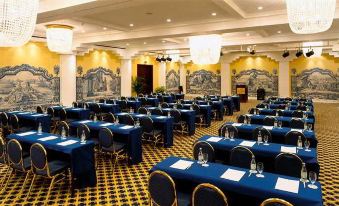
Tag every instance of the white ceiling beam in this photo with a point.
(262, 33)
(100, 23)
(231, 8)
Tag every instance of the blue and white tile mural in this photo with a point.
(97, 83)
(172, 81)
(25, 87)
(316, 83)
(203, 82)
(255, 79)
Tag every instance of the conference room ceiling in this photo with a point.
(157, 25)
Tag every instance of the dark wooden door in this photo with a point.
(145, 72)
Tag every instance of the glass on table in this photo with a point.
(231, 135)
(266, 140)
(307, 145)
(313, 178)
(309, 127)
(279, 123)
(260, 169)
(204, 160)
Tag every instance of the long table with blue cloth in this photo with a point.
(72, 113)
(285, 113)
(204, 109)
(164, 123)
(283, 106)
(187, 115)
(286, 121)
(166, 98)
(294, 102)
(263, 153)
(129, 134)
(217, 105)
(105, 108)
(245, 131)
(80, 156)
(240, 187)
(135, 105)
(153, 101)
(32, 120)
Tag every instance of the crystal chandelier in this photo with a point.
(205, 49)
(315, 46)
(17, 21)
(310, 16)
(59, 38)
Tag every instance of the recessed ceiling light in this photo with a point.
(105, 28)
(260, 8)
(213, 14)
(127, 44)
(131, 25)
(169, 20)
(163, 41)
(145, 42)
(279, 32)
(83, 31)
(248, 34)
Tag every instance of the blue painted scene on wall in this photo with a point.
(172, 81)
(25, 87)
(97, 83)
(203, 82)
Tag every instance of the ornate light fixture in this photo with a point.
(59, 38)
(17, 21)
(316, 47)
(205, 49)
(310, 16)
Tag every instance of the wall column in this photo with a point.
(226, 79)
(126, 77)
(284, 79)
(67, 79)
(182, 73)
(162, 75)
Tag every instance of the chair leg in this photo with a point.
(50, 188)
(3, 181)
(24, 184)
(10, 174)
(31, 187)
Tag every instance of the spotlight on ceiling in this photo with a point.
(252, 52)
(309, 53)
(158, 59)
(163, 58)
(286, 54)
(299, 53)
(169, 58)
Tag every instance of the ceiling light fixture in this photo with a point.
(299, 53)
(105, 28)
(158, 59)
(316, 47)
(286, 53)
(131, 25)
(59, 38)
(310, 16)
(163, 58)
(17, 21)
(248, 34)
(145, 42)
(309, 53)
(214, 14)
(260, 8)
(205, 49)
(279, 32)
(169, 20)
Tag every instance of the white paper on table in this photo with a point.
(26, 133)
(250, 115)
(234, 175)
(182, 164)
(292, 150)
(106, 124)
(287, 185)
(68, 142)
(76, 109)
(37, 115)
(214, 139)
(15, 111)
(247, 143)
(236, 124)
(298, 130)
(140, 115)
(268, 127)
(126, 127)
(185, 110)
(161, 117)
(48, 138)
(85, 121)
(23, 113)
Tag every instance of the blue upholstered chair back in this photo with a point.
(126, 119)
(83, 128)
(241, 118)
(157, 111)
(207, 194)
(147, 124)
(230, 128)
(2, 150)
(64, 125)
(180, 106)
(161, 188)
(298, 114)
(176, 115)
(75, 104)
(123, 104)
(14, 152)
(206, 148)
(288, 164)
(50, 111)
(39, 157)
(275, 202)
(164, 105)
(39, 110)
(4, 119)
(269, 121)
(142, 110)
(291, 138)
(63, 114)
(297, 124)
(109, 117)
(264, 132)
(106, 138)
(241, 157)
(14, 121)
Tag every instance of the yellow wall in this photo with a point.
(326, 61)
(254, 62)
(99, 58)
(172, 65)
(209, 67)
(33, 53)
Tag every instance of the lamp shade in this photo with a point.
(17, 21)
(59, 38)
(205, 49)
(310, 16)
(316, 47)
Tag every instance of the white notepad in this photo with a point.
(292, 150)
(140, 115)
(48, 138)
(247, 143)
(185, 110)
(161, 117)
(126, 127)
(23, 113)
(181, 164)
(85, 121)
(234, 175)
(287, 185)
(268, 127)
(76, 109)
(68, 142)
(37, 115)
(298, 130)
(214, 139)
(106, 124)
(236, 124)
(26, 133)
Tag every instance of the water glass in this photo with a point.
(279, 124)
(309, 127)
(313, 178)
(266, 140)
(205, 160)
(260, 169)
(231, 135)
(307, 145)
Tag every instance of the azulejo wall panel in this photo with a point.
(255, 79)
(315, 83)
(97, 83)
(203, 82)
(25, 87)
(172, 81)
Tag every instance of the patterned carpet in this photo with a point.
(128, 185)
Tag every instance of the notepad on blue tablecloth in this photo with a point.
(236, 124)
(126, 127)
(297, 130)
(214, 139)
(68, 142)
(106, 124)
(26, 133)
(247, 143)
(285, 149)
(161, 117)
(37, 115)
(48, 138)
(234, 175)
(268, 127)
(181, 164)
(85, 121)
(287, 185)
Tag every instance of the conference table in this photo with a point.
(179, 96)
(293, 102)
(229, 103)
(205, 110)
(240, 187)
(135, 105)
(217, 105)
(166, 98)
(153, 101)
(285, 113)
(286, 121)
(164, 123)
(263, 153)
(79, 156)
(105, 108)
(32, 120)
(72, 113)
(283, 106)
(245, 131)
(187, 115)
(125, 133)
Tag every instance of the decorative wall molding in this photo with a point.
(316, 83)
(172, 81)
(203, 82)
(97, 83)
(25, 87)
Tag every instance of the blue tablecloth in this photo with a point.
(32, 120)
(250, 189)
(245, 131)
(73, 113)
(282, 106)
(286, 121)
(152, 101)
(165, 124)
(217, 105)
(106, 108)
(168, 99)
(131, 136)
(263, 153)
(135, 105)
(80, 156)
(236, 101)
(187, 115)
(285, 113)
(204, 109)
(228, 102)
(179, 96)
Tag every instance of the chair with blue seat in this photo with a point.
(269, 121)
(126, 119)
(108, 117)
(263, 131)
(157, 111)
(178, 124)
(180, 106)
(149, 132)
(199, 117)
(108, 145)
(41, 167)
(205, 148)
(15, 125)
(208, 194)
(84, 129)
(227, 127)
(164, 105)
(241, 118)
(297, 123)
(3, 160)
(5, 129)
(39, 110)
(291, 138)
(288, 164)
(62, 125)
(123, 105)
(162, 191)
(298, 114)
(75, 104)
(241, 157)
(275, 202)
(142, 110)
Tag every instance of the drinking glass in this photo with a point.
(260, 169)
(231, 135)
(313, 178)
(309, 127)
(279, 124)
(307, 145)
(266, 140)
(205, 160)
